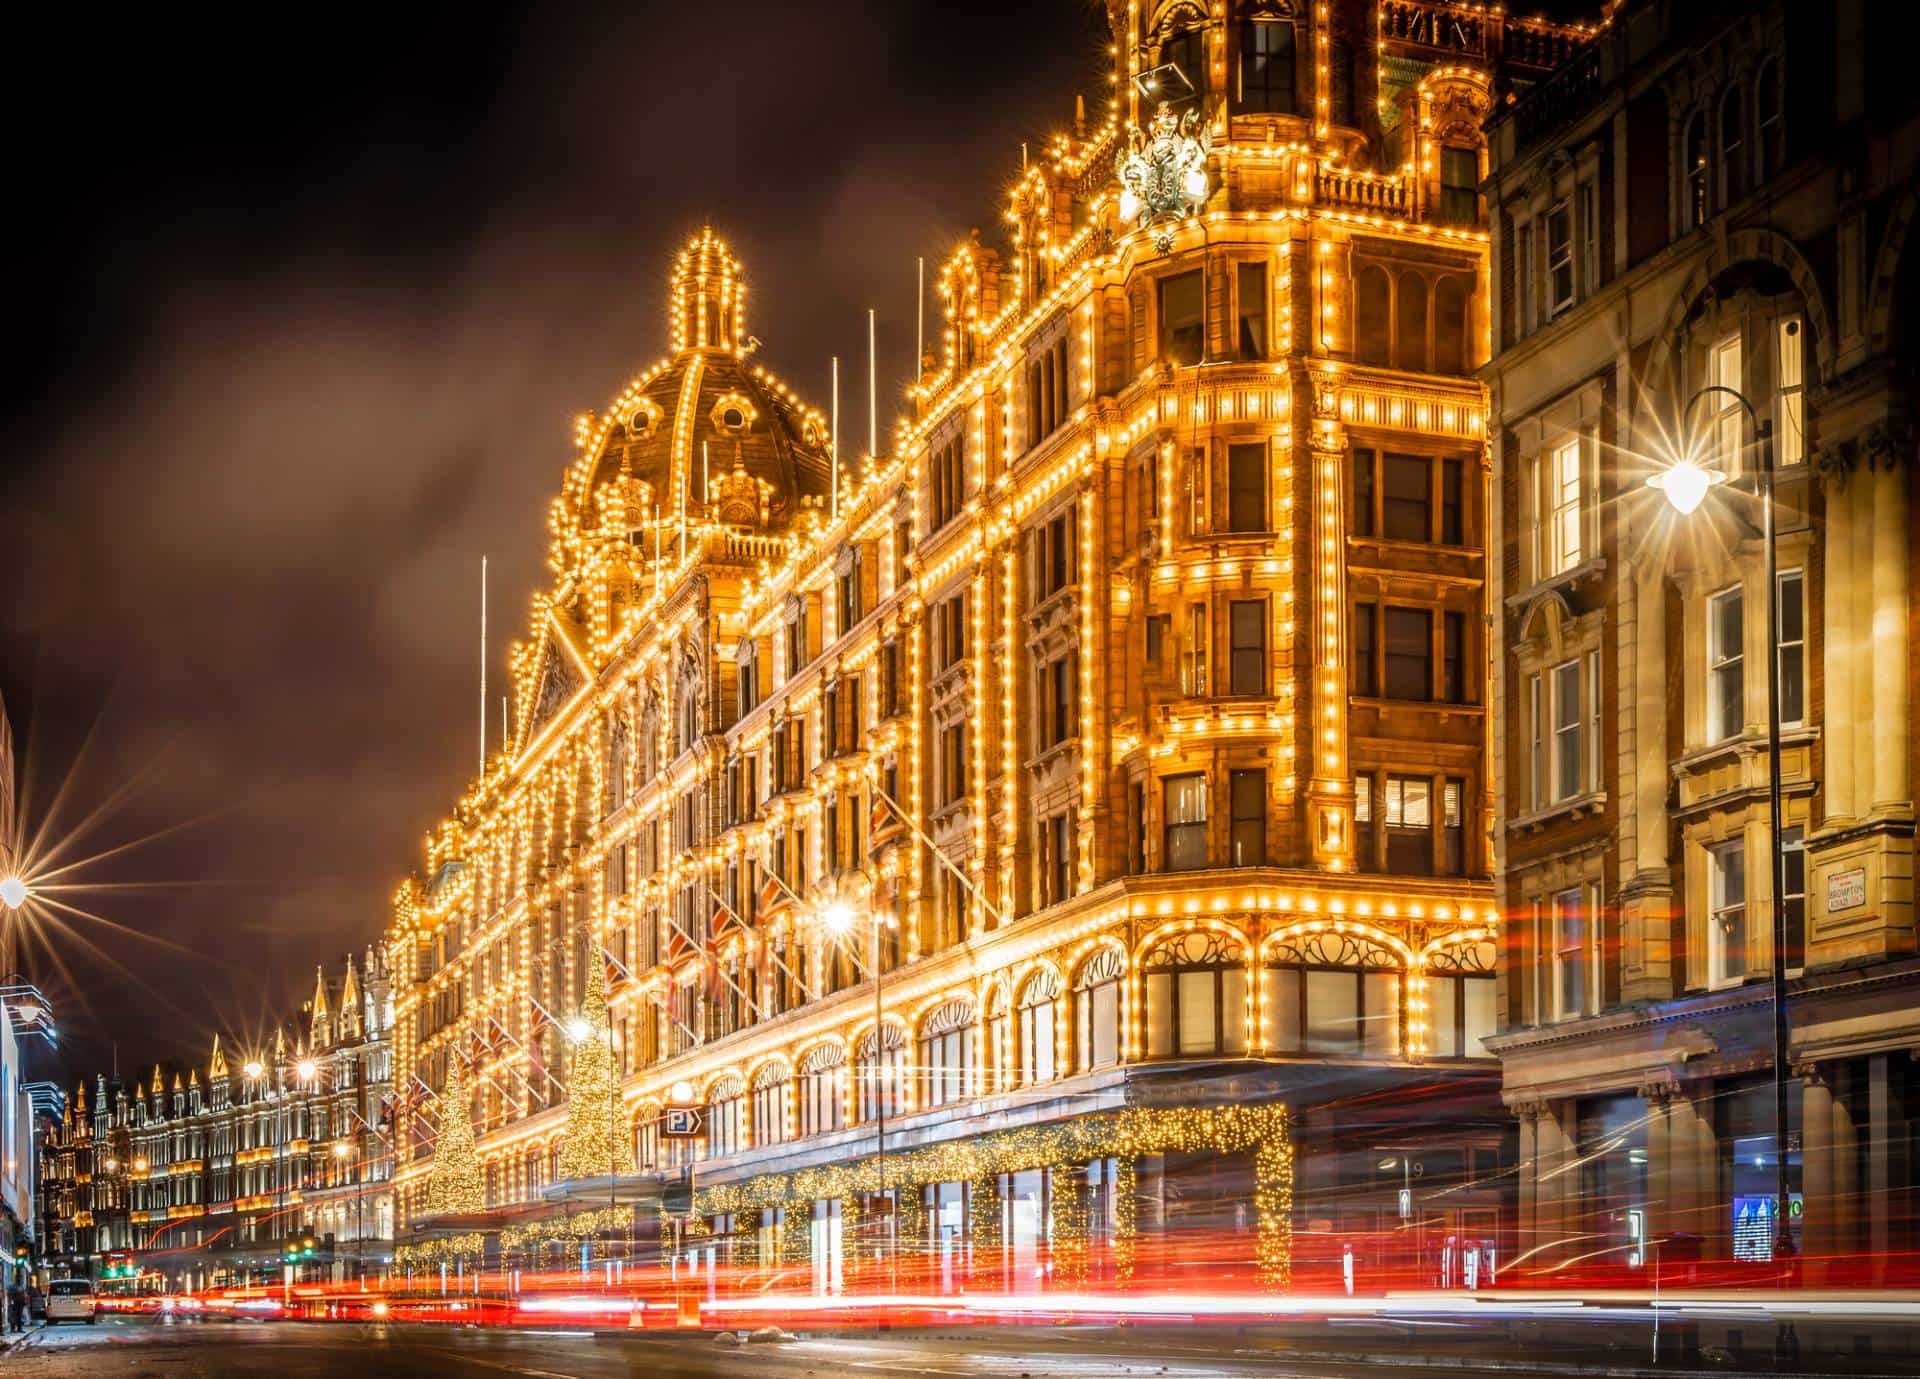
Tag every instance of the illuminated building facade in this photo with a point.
(186, 1180)
(1125, 727)
(1707, 196)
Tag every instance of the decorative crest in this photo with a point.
(1163, 173)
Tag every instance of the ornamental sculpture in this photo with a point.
(1163, 173)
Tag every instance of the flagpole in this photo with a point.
(920, 319)
(873, 393)
(833, 509)
(483, 667)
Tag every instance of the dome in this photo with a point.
(706, 430)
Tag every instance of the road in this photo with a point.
(153, 1349)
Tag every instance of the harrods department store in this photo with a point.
(1073, 830)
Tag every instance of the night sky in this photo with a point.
(300, 307)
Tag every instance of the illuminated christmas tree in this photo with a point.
(595, 1144)
(454, 1184)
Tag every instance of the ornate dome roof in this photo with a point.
(705, 430)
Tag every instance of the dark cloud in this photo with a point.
(298, 325)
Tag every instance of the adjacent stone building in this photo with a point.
(1712, 194)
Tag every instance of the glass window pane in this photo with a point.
(1408, 510)
(1159, 1014)
(1106, 1024)
(1233, 1010)
(1381, 1024)
(1443, 1007)
(1333, 1015)
(1197, 1012)
(1280, 1009)
(1480, 1015)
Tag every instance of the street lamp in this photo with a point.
(1684, 484)
(14, 892)
(252, 1069)
(839, 917)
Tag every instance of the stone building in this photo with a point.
(1072, 827)
(1707, 195)
(185, 1180)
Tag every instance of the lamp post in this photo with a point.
(839, 918)
(343, 1151)
(1685, 484)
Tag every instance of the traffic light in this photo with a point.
(20, 1251)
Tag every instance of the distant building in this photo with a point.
(200, 1180)
(1708, 195)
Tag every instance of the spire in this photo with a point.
(707, 296)
(319, 992)
(159, 1085)
(217, 1065)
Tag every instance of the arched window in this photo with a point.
(1460, 1001)
(1266, 67)
(1096, 1010)
(1373, 316)
(1767, 105)
(1331, 993)
(1037, 1002)
(946, 1054)
(880, 1078)
(1410, 323)
(1451, 296)
(1694, 162)
(723, 1117)
(770, 1105)
(820, 1086)
(1733, 146)
(1196, 993)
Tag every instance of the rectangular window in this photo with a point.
(1453, 525)
(1247, 792)
(1364, 681)
(1136, 829)
(1194, 677)
(1559, 258)
(1727, 917)
(1536, 728)
(1569, 955)
(1253, 310)
(1790, 406)
(1724, 371)
(1363, 822)
(1159, 628)
(1523, 275)
(1363, 487)
(1589, 238)
(1596, 776)
(1726, 666)
(1183, 317)
(1564, 501)
(1793, 857)
(1186, 823)
(953, 762)
(1459, 186)
(1266, 69)
(1453, 657)
(1409, 819)
(1408, 510)
(1453, 833)
(1566, 730)
(1791, 606)
(1409, 658)
(1247, 650)
(1247, 487)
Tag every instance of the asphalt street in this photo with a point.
(153, 1349)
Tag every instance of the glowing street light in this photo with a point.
(14, 892)
(1685, 483)
(253, 1068)
(341, 1149)
(578, 1030)
(306, 1068)
(838, 917)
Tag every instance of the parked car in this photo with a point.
(72, 1300)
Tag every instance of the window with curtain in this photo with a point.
(1096, 1010)
(880, 1068)
(1195, 986)
(724, 1105)
(1185, 844)
(946, 1055)
(819, 1085)
(1036, 1020)
(770, 1093)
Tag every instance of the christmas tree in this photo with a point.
(596, 1143)
(453, 1184)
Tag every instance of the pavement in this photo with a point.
(154, 1348)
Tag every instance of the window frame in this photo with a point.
(1723, 667)
(1184, 831)
(1724, 911)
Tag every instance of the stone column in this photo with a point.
(1527, 1231)
(1657, 1205)
(1552, 1194)
(1892, 788)
(1840, 654)
(1816, 1172)
(1866, 746)
(1846, 1174)
(1715, 1220)
(1879, 1165)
